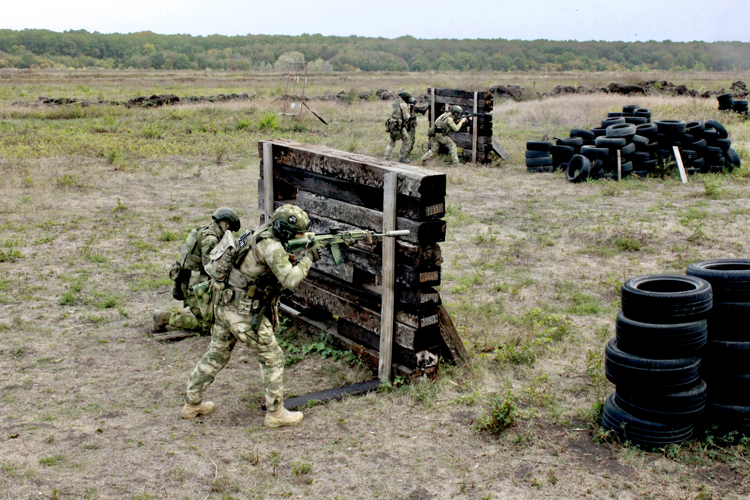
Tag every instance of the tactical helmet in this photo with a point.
(405, 95)
(412, 100)
(456, 110)
(287, 221)
(229, 216)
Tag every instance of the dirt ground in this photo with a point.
(533, 264)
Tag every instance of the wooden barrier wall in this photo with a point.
(478, 131)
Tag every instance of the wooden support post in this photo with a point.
(432, 107)
(475, 129)
(268, 180)
(619, 165)
(387, 311)
(680, 166)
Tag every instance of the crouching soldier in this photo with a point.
(190, 270)
(443, 127)
(248, 279)
(396, 126)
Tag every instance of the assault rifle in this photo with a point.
(469, 115)
(335, 239)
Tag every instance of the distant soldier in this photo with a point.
(444, 125)
(396, 126)
(248, 276)
(411, 124)
(190, 270)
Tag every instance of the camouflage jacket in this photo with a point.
(445, 124)
(194, 254)
(400, 111)
(413, 110)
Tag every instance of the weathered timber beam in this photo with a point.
(413, 181)
(466, 94)
(418, 209)
(419, 232)
(401, 356)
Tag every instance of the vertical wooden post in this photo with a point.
(680, 166)
(619, 165)
(268, 179)
(387, 311)
(432, 106)
(475, 128)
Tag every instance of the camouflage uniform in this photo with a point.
(247, 310)
(194, 257)
(396, 126)
(444, 125)
(411, 124)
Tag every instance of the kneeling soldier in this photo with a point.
(248, 279)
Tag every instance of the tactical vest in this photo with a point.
(441, 124)
(190, 253)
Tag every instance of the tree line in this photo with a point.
(39, 49)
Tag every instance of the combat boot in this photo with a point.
(404, 160)
(161, 320)
(282, 417)
(192, 411)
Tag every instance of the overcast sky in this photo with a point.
(626, 20)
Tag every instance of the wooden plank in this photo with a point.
(268, 181)
(466, 137)
(680, 166)
(433, 117)
(619, 165)
(465, 94)
(387, 310)
(359, 335)
(451, 338)
(404, 335)
(475, 130)
(501, 152)
(358, 389)
(419, 232)
(418, 209)
(413, 181)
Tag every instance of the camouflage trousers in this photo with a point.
(445, 141)
(229, 327)
(398, 135)
(412, 131)
(183, 320)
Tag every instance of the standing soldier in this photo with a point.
(247, 288)
(396, 126)
(444, 125)
(411, 124)
(190, 270)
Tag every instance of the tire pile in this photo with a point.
(654, 361)
(727, 102)
(642, 145)
(726, 361)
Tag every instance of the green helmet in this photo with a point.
(412, 100)
(405, 95)
(288, 220)
(229, 216)
(456, 110)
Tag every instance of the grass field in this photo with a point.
(95, 203)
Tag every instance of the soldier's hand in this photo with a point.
(313, 254)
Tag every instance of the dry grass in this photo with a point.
(90, 403)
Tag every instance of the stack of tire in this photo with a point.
(728, 103)
(538, 157)
(704, 147)
(654, 361)
(726, 361)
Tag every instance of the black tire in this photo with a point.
(537, 154)
(629, 109)
(713, 152)
(640, 156)
(698, 145)
(732, 389)
(688, 154)
(729, 321)
(729, 278)
(660, 341)
(699, 163)
(626, 130)
(674, 407)
(724, 144)
(615, 114)
(586, 135)
(666, 298)
(649, 165)
(710, 134)
(562, 150)
(639, 139)
(728, 418)
(643, 113)
(671, 126)
(538, 145)
(720, 129)
(570, 141)
(594, 153)
(727, 356)
(598, 132)
(636, 373)
(733, 159)
(597, 169)
(646, 129)
(642, 432)
(540, 170)
(612, 121)
(636, 120)
(628, 149)
(610, 142)
(695, 127)
(725, 97)
(539, 162)
(578, 169)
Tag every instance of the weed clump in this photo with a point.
(268, 122)
(501, 415)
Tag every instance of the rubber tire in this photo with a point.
(597, 169)
(539, 162)
(586, 135)
(562, 150)
(636, 373)
(666, 298)
(694, 127)
(594, 153)
(710, 134)
(644, 433)
(655, 341)
(636, 120)
(540, 170)
(612, 121)
(537, 154)
(628, 149)
(728, 417)
(599, 132)
(729, 278)
(570, 141)
(720, 129)
(647, 129)
(629, 109)
(733, 159)
(729, 321)
(639, 140)
(671, 126)
(610, 142)
(674, 407)
(626, 130)
(732, 389)
(538, 145)
(726, 356)
(578, 169)
(698, 145)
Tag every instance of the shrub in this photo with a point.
(268, 121)
(502, 414)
